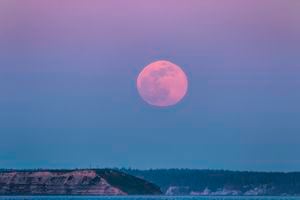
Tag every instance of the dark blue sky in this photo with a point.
(68, 94)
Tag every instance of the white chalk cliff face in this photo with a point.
(81, 182)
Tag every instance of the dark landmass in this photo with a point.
(219, 182)
(73, 182)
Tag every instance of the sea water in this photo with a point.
(142, 198)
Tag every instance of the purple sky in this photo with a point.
(68, 96)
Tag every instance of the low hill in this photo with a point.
(219, 182)
(73, 182)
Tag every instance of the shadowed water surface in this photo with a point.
(142, 198)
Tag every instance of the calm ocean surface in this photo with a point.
(141, 198)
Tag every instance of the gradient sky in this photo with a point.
(68, 96)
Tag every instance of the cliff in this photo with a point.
(73, 182)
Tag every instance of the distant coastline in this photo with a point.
(221, 182)
(168, 182)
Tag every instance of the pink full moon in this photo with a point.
(162, 83)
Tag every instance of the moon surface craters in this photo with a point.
(162, 83)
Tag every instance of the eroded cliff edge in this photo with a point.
(74, 182)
